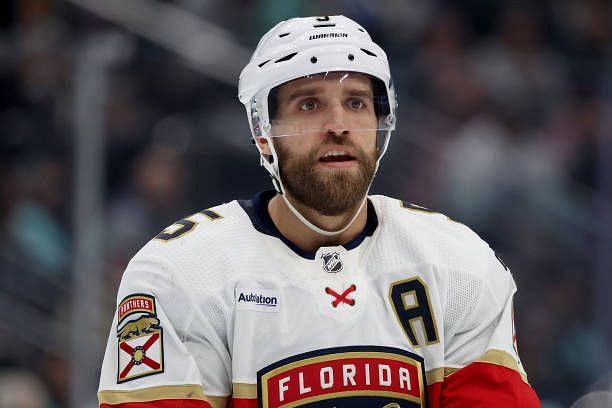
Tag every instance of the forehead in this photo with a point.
(322, 82)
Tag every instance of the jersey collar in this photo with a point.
(257, 210)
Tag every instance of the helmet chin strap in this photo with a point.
(317, 229)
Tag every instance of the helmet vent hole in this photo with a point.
(370, 53)
(283, 35)
(323, 25)
(313, 60)
(286, 57)
(351, 57)
(361, 29)
(263, 63)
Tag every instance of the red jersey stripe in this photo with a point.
(480, 385)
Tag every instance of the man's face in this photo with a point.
(329, 160)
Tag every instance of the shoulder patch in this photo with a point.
(139, 338)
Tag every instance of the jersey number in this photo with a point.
(410, 301)
(184, 226)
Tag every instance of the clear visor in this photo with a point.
(343, 103)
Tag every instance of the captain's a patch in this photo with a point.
(140, 338)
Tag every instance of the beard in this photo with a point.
(329, 192)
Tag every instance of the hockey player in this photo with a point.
(315, 294)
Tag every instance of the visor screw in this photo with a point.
(313, 60)
(351, 57)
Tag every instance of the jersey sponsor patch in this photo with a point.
(257, 299)
(355, 376)
(140, 338)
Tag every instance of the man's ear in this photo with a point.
(262, 145)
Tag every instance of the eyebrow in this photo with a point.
(312, 91)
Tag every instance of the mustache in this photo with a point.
(334, 138)
(356, 150)
(314, 152)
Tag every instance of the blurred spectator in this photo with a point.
(21, 389)
(447, 81)
(482, 143)
(55, 370)
(585, 33)
(154, 197)
(43, 63)
(587, 112)
(594, 399)
(38, 222)
(7, 193)
(523, 76)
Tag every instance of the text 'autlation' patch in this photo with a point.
(257, 299)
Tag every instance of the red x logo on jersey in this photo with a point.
(342, 298)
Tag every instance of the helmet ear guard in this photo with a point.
(259, 130)
(254, 119)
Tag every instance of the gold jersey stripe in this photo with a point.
(243, 390)
(438, 374)
(497, 357)
(504, 359)
(211, 214)
(434, 376)
(186, 391)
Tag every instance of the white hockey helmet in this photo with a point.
(306, 46)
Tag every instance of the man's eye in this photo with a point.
(308, 105)
(357, 104)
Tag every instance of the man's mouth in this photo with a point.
(335, 156)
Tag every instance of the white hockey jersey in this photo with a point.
(220, 309)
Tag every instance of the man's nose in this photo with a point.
(336, 121)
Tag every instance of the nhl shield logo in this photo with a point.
(332, 262)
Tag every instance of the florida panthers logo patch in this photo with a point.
(332, 262)
(140, 338)
(343, 377)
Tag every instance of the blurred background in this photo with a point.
(119, 117)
